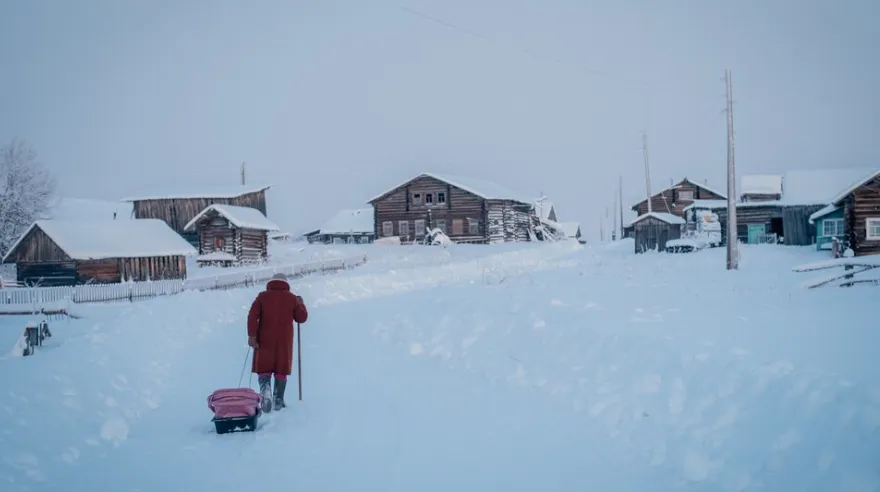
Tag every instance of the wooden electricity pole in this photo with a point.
(243, 177)
(732, 252)
(647, 170)
(620, 202)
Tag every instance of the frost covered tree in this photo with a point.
(26, 189)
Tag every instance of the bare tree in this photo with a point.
(26, 189)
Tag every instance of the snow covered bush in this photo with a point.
(26, 188)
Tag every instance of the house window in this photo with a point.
(419, 227)
(457, 227)
(387, 228)
(832, 227)
(403, 228)
(219, 243)
(686, 195)
(441, 197)
(473, 227)
(441, 224)
(417, 199)
(429, 198)
(872, 227)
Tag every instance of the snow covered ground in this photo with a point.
(527, 367)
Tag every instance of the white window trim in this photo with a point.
(419, 227)
(474, 223)
(868, 235)
(386, 226)
(403, 227)
(691, 192)
(838, 228)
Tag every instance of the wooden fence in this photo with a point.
(37, 297)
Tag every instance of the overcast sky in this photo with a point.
(335, 101)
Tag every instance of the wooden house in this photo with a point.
(858, 206)
(177, 209)
(54, 252)
(676, 198)
(346, 227)
(653, 229)
(465, 209)
(760, 188)
(230, 235)
(572, 231)
(829, 226)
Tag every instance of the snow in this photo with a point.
(665, 217)
(479, 187)
(66, 208)
(241, 217)
(819, 186)
(765, 184)
(203, 192)
(350, 221)
(528, 367)
(829, 209)
(217, 256)
(97, 239)
(570, 228)
(543, 209)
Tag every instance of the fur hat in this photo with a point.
(279, 276)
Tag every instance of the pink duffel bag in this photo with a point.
(235, 403)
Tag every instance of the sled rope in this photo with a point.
(243, 367)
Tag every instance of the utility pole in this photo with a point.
(732, 252)
(615, 231)
(647, 170)
(620, 195)
(243, 177)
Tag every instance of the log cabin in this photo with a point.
(760, 188)
(52, 252)
(654, 229)
(676, 198)
(860, 203)
(465, 209)
(177, 209)
(346, 227)
(230, 235)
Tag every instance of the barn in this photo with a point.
(57, 252)
(230, 235)
(178, 208)
(653, 229)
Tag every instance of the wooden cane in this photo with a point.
(299, 362)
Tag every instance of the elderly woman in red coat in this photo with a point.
(270, 333)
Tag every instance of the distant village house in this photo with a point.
(346, 227)
(464, 209)
(653, 230)
(853, 217)
(53, 252)
(231, 235)
(676, 198)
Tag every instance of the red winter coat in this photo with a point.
(271, 320)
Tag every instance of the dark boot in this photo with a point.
(266, 392)
(280, 386)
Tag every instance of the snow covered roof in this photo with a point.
(350, 221)
(855, 184)
(818, 186)
(721, 204)
(480, 187)
(64, 208)
(241, 217)
(202, 192)
(829, 209)
(97, 239)
(763, 184)
(663, 216)
(543, 209)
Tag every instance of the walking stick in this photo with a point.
(299, 364)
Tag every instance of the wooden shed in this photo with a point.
(465, 209)
(55, 252)
(653, 229)
(230, 235)
(178, 208)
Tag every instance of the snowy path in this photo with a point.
(537, 370)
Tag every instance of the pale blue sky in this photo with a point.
(333, 101)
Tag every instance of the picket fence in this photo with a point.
(131, 291)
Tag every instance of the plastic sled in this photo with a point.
(235, 409)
